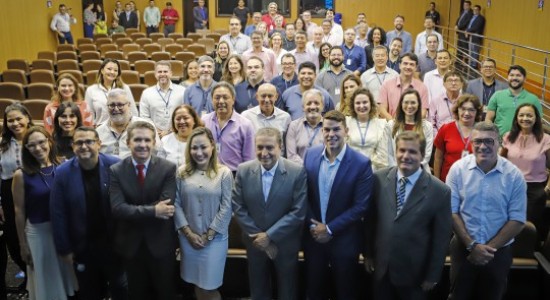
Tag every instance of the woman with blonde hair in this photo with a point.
(349, 84)
(203, 213)
(220, 56)
(67, 90)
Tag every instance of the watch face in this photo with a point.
(210, 237)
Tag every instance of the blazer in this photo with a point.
(462, 23)
(131, 23)
(283, 214)
(475, 87)
(133, 207)
(477, 27)
(68, 205)
(413, 245)
(197, 17)
(348, 200)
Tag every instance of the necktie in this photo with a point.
(401, 194)
(141, 174)
(266, 186)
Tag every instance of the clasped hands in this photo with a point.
(319, 232)
(261, 241)
(481, 254)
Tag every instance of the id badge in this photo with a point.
(465, 153)
(484, 108)
(218, 148)
(337, 91)
(348, 61)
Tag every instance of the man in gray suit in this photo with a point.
(485, 86)
(143, 189)
(269, 203)
(409, 227)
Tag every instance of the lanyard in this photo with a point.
(378, 77)
(448, 107)
(464, 141)
(166, 101)
(487, 93)
(347, 52)
(315, 132)
(361, 134)
(117, 138)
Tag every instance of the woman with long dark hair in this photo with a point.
(174, 144)
(233, 70)
(220, 56)
(67, 118)
(324, 51)
(375, 37)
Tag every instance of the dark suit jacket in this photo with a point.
(197, 17)
(134, 207)
(475, 87)
(282, 216)
(462, 23)
(349, 196)
(477, 27)
(131, 23)
(68, 205)
(411, 246)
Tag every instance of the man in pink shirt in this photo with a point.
(391, 90)
(269, 18)
(267, 55)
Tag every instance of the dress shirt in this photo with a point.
(420, 44)
(249, 29)
(425, 64)
(300, 137)
(367, 138)
(410, 184)
(199, 99)
(238, 44)
(172, 149)
(355, 58)
(471, 21)
(311, 47)
(504, 104)
(292, 101)
(361, 42)
(441, 111)
(62, 22)
(268, 57)
(158, 106)
(404, 35)
(311, 30)
(172, 13)
(280, 119)
(327, 173)
(373, 80)
(528, 155)
(304, 56)
(235, 141)
(151, 16)
(96, 98)
(109, 138)
(337, 34)
(282, 85)
(484, 214)
(245, 96)
(10, 160)
(332, 82)
(332, 39)
(267, 179)
(434, 82)
(391, 90)
(145, 166)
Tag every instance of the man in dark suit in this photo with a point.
(476, 26)
(462, 24)
(269, 202)
(485, 86)
(128, 18)
(200, 16)
(81, 218)
(339, 189)
(143, 189)
(409, 226)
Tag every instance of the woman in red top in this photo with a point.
(453, 139)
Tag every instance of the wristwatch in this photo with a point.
(210, 237)
(471, 246)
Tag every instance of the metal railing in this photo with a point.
(505, 53)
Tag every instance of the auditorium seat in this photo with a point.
(156, 35)
(91, 65)
(107, 47)
(194, 36)
(12, 90)
(18, 64)
(161, 55)
(175, 35)
(13, 75)
(61, 55)
(143, 41)
(118, 55)
(98, 36)
(184, 56)
(89, 55)
(84, 41)
(129, 76)
(129, 31)
(209, 43)
(177, 70)
(86, 47)
(135, 56)
(149, 78)
(165, 41)
(137, 90)
(150, 48)
(198, 49)
(65, 47)
(523, 248)
(124, 64)
(127, 48)
(222, 31)
(40, 90)
(118, 35)
(42, 64)
(142, 66)
(50, 55)
(44, 76)
(67, 64)
(203, 32)
(137, 35)
(184, 42)
(103, 41)
(173, 49)
(91, 77)
(36, 109)
(215, 36)
(5, 102)
(123, 41)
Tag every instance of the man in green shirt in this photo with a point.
(502, 105)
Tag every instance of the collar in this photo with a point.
(413, 178)
(305, 122)
(169, 86)
(146, 163)
(472, 164)
(340, 155)
(271, 171)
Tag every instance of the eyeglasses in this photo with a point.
(81, 143)
(116, 105)
(40, 143)
(288, 64)
(488, 67)
(487, 142)
(470, 110)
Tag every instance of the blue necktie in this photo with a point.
(401, 194)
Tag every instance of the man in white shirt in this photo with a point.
(151, 17)
(159, 101)
(265, 114)
(373, 78)
(336, 30)
(314, 45)
(61, 24)
(238, 42)
(311, 26)
(420, 44)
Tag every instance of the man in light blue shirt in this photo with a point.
(488, 203)
(151, 17)
(198, 95)
(400, 33)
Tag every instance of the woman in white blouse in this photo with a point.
(366, 130)
(108, 77)
(276, 44)
(174, 144)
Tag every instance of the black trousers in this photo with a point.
(469, 281)
(536, 204)
(385, 290)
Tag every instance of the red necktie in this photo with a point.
(141, 174)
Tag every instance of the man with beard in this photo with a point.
(502, 106)
(434, 78)
(292, 97)
(288, 77)
(246, 90)
(266, 55)
(159, 101)
(421, 39)
(113, 133)
(331, 79)
(198, 94)
(394, 57)
(302, 53)
(400, 33)
(355, 58)
(238, 42)
(485, 86)
(374, 77)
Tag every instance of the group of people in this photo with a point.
(268, 130)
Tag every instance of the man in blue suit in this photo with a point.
(339, 189)
(81, 218)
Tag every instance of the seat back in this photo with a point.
(67, 55)
(209, 43)
(87, 47)
(124, 41)
(66, 47)
(91, 65)
(143, 66)
(12, 90)
(36, 108)
(118, 55)
(143, 41)
(198, 49)
(149, 78)
(88, 55)
(107, 47)
(158, 56)
(184, 42)
(42, 64)
(15, 76)
(137, 90)
(84, 41)
(129, 31)
(118, 35)
(184, 56)
(44, 76)
(136, 55)
(40, 90)
(173, 49)
(129, 76)
(165, 41)
(136, 35)
(18, 64)
(67, 64)
(175, 35)
(156, 35)
(194, 36)
(49, 55)
(127, 48)
(150, 48)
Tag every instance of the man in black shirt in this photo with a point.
(434, 14)
(81, 218)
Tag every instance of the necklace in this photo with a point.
(47, 174)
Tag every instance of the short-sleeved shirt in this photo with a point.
(332, 82)
(504, 104)
(373, 80)
(198, 98)
(449, 141)
(391, 91)
(292, 101)
(528, 155)
(238, 44)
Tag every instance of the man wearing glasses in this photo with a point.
(113, 132)
(237, 41)
(484, 223)
(81, 218)
(485, 86)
